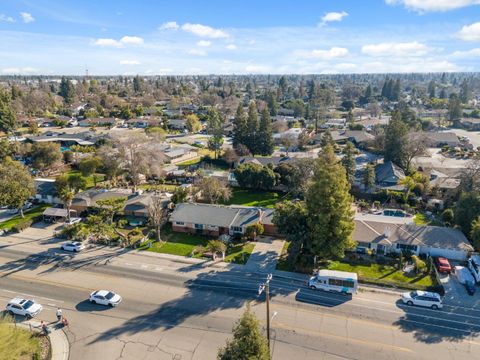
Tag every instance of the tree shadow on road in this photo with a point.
(435, 326)
(206, 294)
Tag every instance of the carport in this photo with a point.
(52, 215)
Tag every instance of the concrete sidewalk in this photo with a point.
(58, 339)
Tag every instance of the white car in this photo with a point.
(423, 298)
(105, 297)
(74, 246)
(73, 220)
(23, 307)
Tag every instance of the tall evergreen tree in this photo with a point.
(239, 126)
(431, 89)
(465, 92)
(265, 139)
(329, 206)
(326, 139)
(454, 107)
(215, 129)
(368, 179)
(395, 138)
(8, 119)
(348, 161)
(67, 90)
(396, 89)
(248, 343)
(252, 128)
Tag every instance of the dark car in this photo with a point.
(443, 266)
(470, 286)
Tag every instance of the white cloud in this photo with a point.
(170, 25)
(257, 69)
(204, 43)
(334, 52)
(107, 43)
(413, 48)
(131, 40)
(5, 18)
(466, 54)
(204, 31)
(470, 32)
(231, 47)
(197, 52)
(433, 5)
(129, 62)
(22, 71)
(126, 40)
(333, 16)
(27, 17)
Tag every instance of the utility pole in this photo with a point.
(266, 287)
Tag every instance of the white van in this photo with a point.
(423, 298)
(335, 281)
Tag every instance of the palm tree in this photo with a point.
(67, 195)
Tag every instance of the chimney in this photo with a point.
(386, 232)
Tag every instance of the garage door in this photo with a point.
(447, 253)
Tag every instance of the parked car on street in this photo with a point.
(105, 297)
(73, 246)
(442, 264)
(23, 307)
(423, 298)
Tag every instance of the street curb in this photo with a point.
(60, 346)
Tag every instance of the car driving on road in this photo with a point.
(423, 298)
(23, 307)
(74, 246)
(105, 297)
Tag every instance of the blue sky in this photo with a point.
(238, 37)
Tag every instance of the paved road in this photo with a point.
(186, 311)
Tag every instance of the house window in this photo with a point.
(237, 229)
(407, 247)
(199, 226)
(179, 223)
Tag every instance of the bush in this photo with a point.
(420, 266)
(254, 230)
(22, 225)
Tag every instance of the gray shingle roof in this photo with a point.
(387, 170)
(408, 234)
(216, 215)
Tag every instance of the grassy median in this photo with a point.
(17, 343)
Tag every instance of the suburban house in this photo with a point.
(144, 122)
(181, 153)
(177, 124)
(388, 175)
(274, 160)
(468, 123)
(359, 138)
(136, 204)
(107, 122)
(46, 192)
(216, 220)
(64, 139)
(291, 134)
(384, 238)
(441, 139)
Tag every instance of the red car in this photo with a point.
(443, 266)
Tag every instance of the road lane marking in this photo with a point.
(342, 338)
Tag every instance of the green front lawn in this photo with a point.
(158, 187)
(239, 254)
(283, 262)
(246, 197)
(90, 183)
(29, 214)
(422, 220)
(174, 243)
(193, 161)
(17, 343)
(383, 274)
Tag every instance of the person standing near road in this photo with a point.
(59, 314)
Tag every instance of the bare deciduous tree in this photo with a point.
(157, 215)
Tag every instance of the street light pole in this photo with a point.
(266, 287)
